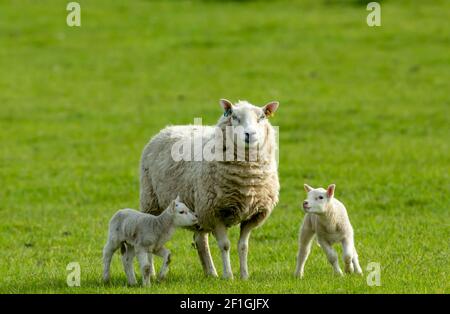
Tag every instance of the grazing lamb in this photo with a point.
(327, 218)
(142, 234)
(222, 191)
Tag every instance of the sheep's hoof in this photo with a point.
(244, 277)
(212, 275)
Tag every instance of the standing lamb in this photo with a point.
(223, 191)
(327, 218)
(142, 234)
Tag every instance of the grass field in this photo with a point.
(365, 108)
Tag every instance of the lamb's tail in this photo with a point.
(123, 248)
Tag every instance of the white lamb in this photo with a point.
(142, 234)
(327, 218)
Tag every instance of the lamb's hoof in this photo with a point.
(339, 273)
(244, 276)
(132, 283)
(228, 276)
(298, 275)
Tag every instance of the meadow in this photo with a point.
(366, 108)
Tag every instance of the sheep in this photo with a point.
(326, 217)
(236, 187)
(142, 234)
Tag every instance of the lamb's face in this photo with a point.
(184, 217)
(249, 122)
(317, 199)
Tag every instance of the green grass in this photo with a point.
(365, 108)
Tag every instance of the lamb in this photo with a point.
(327, 218)
(237, 186)
(142, 234)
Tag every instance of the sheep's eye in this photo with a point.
(321, 197)
(235, 118)
(182, 212)
(261, 118)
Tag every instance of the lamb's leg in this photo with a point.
(127, 261)
(246, 229)
(331, 255)
(220, 232)
(142, 255)
(108, 252)
(152, 266)
(347, 255)
(165, 254)
(201, 242)
(305, 241)
(355, 262)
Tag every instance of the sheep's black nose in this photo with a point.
(305, 203)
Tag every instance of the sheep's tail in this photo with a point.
(123, 248)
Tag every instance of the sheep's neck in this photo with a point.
(164, 226)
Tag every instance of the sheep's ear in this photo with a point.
(227, 107)
(178, 199)
(330, 190)
(307, 187)
(270, 108)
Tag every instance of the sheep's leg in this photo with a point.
(347, 255)
(165, 254)
(306, 236)
(355, 262)
(152, 266)
(142, 255)
(331, 255)
(108, 252)
(201, 242)
(127, 261)
(220, 232)
(246, 229)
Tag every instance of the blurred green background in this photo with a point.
(364, 107)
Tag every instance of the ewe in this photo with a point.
(222, 191)
(327, 218)
(142, 234)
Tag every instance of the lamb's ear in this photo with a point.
(307, 187)
(178, 199)
(330, 190)
(172, 206)
(227, 107)
(270, 108)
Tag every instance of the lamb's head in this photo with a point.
(182, 215)
(249, 122)
(317, 200)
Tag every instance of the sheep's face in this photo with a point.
(249, 122)
(317, 199)
(183, 216)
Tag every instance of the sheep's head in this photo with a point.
(182, 215)
(249, 122)
(318, 199)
